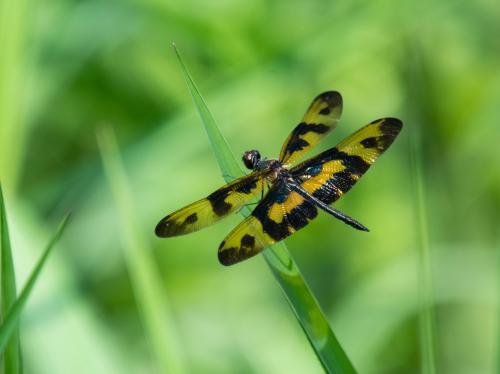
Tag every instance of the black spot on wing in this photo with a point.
(390, 128)
(325, 111)
(228, 256)
(277, 231)
(304, 128)
(380, 143)
(296, 145)
(232, 255)
(247, 187)
(343, 180)
(218, 198)
(295, 220)
(301, 215)
(218, 202)
(354, 164)
(191, 218)
(296, 142)
(338, 184)
(247, 242)
(370, 142)
(328, 192)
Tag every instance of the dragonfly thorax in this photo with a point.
(274, 168)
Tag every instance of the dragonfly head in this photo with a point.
(251, 159)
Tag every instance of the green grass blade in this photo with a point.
(10, 323)
(497, 342)
(13, 73)
(426, 316)
(12, 356)
(420, 114)
(283, 267)
(150, 295)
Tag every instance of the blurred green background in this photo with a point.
(68, 67)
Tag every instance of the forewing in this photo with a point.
(278, 215)
(333, 172)
(321, 117)
(213, 208)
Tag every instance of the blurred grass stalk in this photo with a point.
(12, 356)
(12, 66)
(417, 87)
(10, 321)
(496, 364)
(283, 267)
(152, 302)
(424, 273)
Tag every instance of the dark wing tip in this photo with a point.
(227, 256)
(390, 128)
(159, 230)
(333, 98)
(164, 228)
(393, 124)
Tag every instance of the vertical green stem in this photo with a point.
(426, 316)
(12, 65)
(497, 348)
(12, 355)
(150, 295)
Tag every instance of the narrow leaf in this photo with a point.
(12, 356)
(419, 96)
(11, 321)
(283, 267)
(150, 295)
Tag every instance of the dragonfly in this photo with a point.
(290, 196)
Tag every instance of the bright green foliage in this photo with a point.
(67, 67)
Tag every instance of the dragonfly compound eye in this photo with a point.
(251, 158)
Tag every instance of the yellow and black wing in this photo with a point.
(278, 215)
(213, 208)
(326, 176)
(332, 173)
(321, 117)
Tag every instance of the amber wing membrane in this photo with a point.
(332, 173)
(213, 208)
(320, 118)
(327, 177)
(278, 215)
